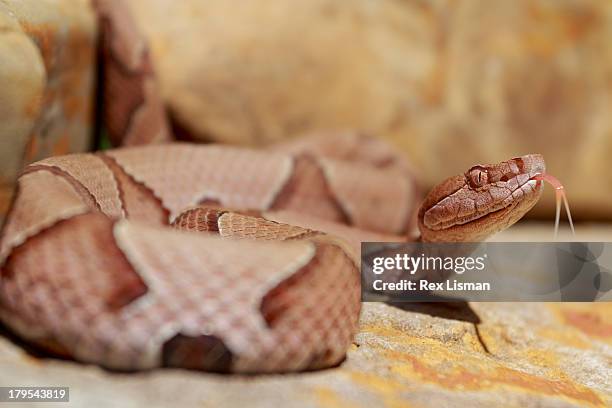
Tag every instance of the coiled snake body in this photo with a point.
(130, 259)
(218, 258)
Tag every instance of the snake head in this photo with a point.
(482, 201)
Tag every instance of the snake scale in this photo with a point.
(218, 258)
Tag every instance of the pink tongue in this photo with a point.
(560, 196)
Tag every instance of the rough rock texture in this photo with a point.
(411, 355)
(47, 75)
(450, 82)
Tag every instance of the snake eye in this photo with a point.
(478, 177)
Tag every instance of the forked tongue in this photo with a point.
(560, 196)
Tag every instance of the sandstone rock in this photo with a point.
(47, 75)
(450, 83)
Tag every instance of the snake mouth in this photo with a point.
(475, 217)
(466, 210)
(497, 209)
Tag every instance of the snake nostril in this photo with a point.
(505, 177)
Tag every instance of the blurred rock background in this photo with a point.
(451, 83)
(47, 83)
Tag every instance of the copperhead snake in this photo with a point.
(219, 258)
